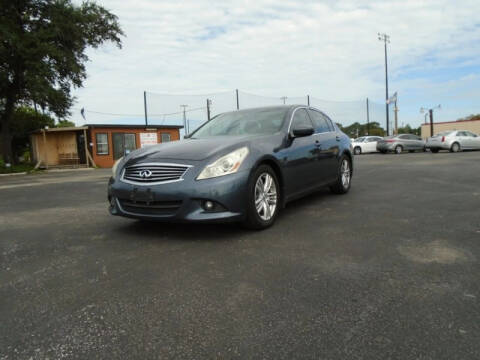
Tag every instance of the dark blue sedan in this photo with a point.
(240, 166)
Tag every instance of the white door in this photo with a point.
(370, 145)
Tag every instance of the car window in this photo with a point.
(371, 140)
(403, 137)
(378, 139)
(461, 133)
(320, 122)
(301, 119)
(360, 139)
(470, 134)
(330, 124)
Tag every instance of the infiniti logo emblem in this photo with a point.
(145, 173)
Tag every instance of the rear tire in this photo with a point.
(344, 177)
(357, 150)
(263, 200)
(455, 147)
(398, 149)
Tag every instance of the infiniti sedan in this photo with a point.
(239, 166)
(454, 141)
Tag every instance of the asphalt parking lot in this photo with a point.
(388, 271)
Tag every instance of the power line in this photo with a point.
(116, 114)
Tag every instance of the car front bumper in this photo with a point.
(182, 201)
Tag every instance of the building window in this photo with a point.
(102, 144)
(165, 137)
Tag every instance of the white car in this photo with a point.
(365, 144)
(454, 141)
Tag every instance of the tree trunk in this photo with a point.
(5, 136)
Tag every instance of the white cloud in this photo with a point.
(328, 49)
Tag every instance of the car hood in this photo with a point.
(188, 149)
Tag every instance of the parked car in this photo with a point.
(400, 143)
(365, 144)
(240, 166)
(454, 141)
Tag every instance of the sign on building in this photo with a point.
(147, 139)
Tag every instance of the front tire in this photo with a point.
(344, 177)
(263, 198)
(398, 149)
(357, 150)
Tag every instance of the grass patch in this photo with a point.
(18, 168)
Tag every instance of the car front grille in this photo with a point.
(150, 207)
(154, 173)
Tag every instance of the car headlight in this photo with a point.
(227, 164)
(115, 166)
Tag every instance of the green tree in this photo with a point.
(25, 120)
(65, 123)
(42, 54)
(356, 129)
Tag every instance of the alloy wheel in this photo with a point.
(265, 196)
(345, 173)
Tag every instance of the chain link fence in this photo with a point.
(194, 110)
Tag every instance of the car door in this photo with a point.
(327, 141)
(417, 142)
(370, 145)
(476, 141)
(472, 140)
(375, 142)
(300, 157)
(462, 139)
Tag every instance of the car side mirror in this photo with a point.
(303, 131)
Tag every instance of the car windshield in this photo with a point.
(244, 122)
(360, 139)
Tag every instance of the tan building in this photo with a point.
(470, 125)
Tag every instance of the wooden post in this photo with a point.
(45, 148)
(85, 143)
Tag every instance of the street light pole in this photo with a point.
(386, 39)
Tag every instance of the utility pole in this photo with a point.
(238, 103)
(308, 100)
(386, 39)
(209, 102)
(395, 109)
(431, 121)
(145, 107)
(430, 113)
(368, 118)
(283, 98)
(185, 118)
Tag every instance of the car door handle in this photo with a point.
(337, 138)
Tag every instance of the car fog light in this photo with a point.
(212, 206)
(208, 205)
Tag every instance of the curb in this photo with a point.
(13, 174)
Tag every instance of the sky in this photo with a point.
(328, 49)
